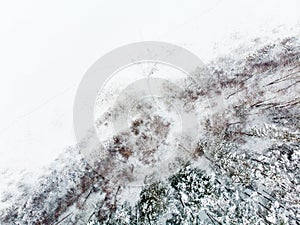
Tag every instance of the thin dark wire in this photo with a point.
(189, 20)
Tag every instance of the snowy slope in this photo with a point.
(253, 114)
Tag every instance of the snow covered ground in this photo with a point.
(44, 56)
(48, 47)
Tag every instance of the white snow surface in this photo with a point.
(33, 137)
